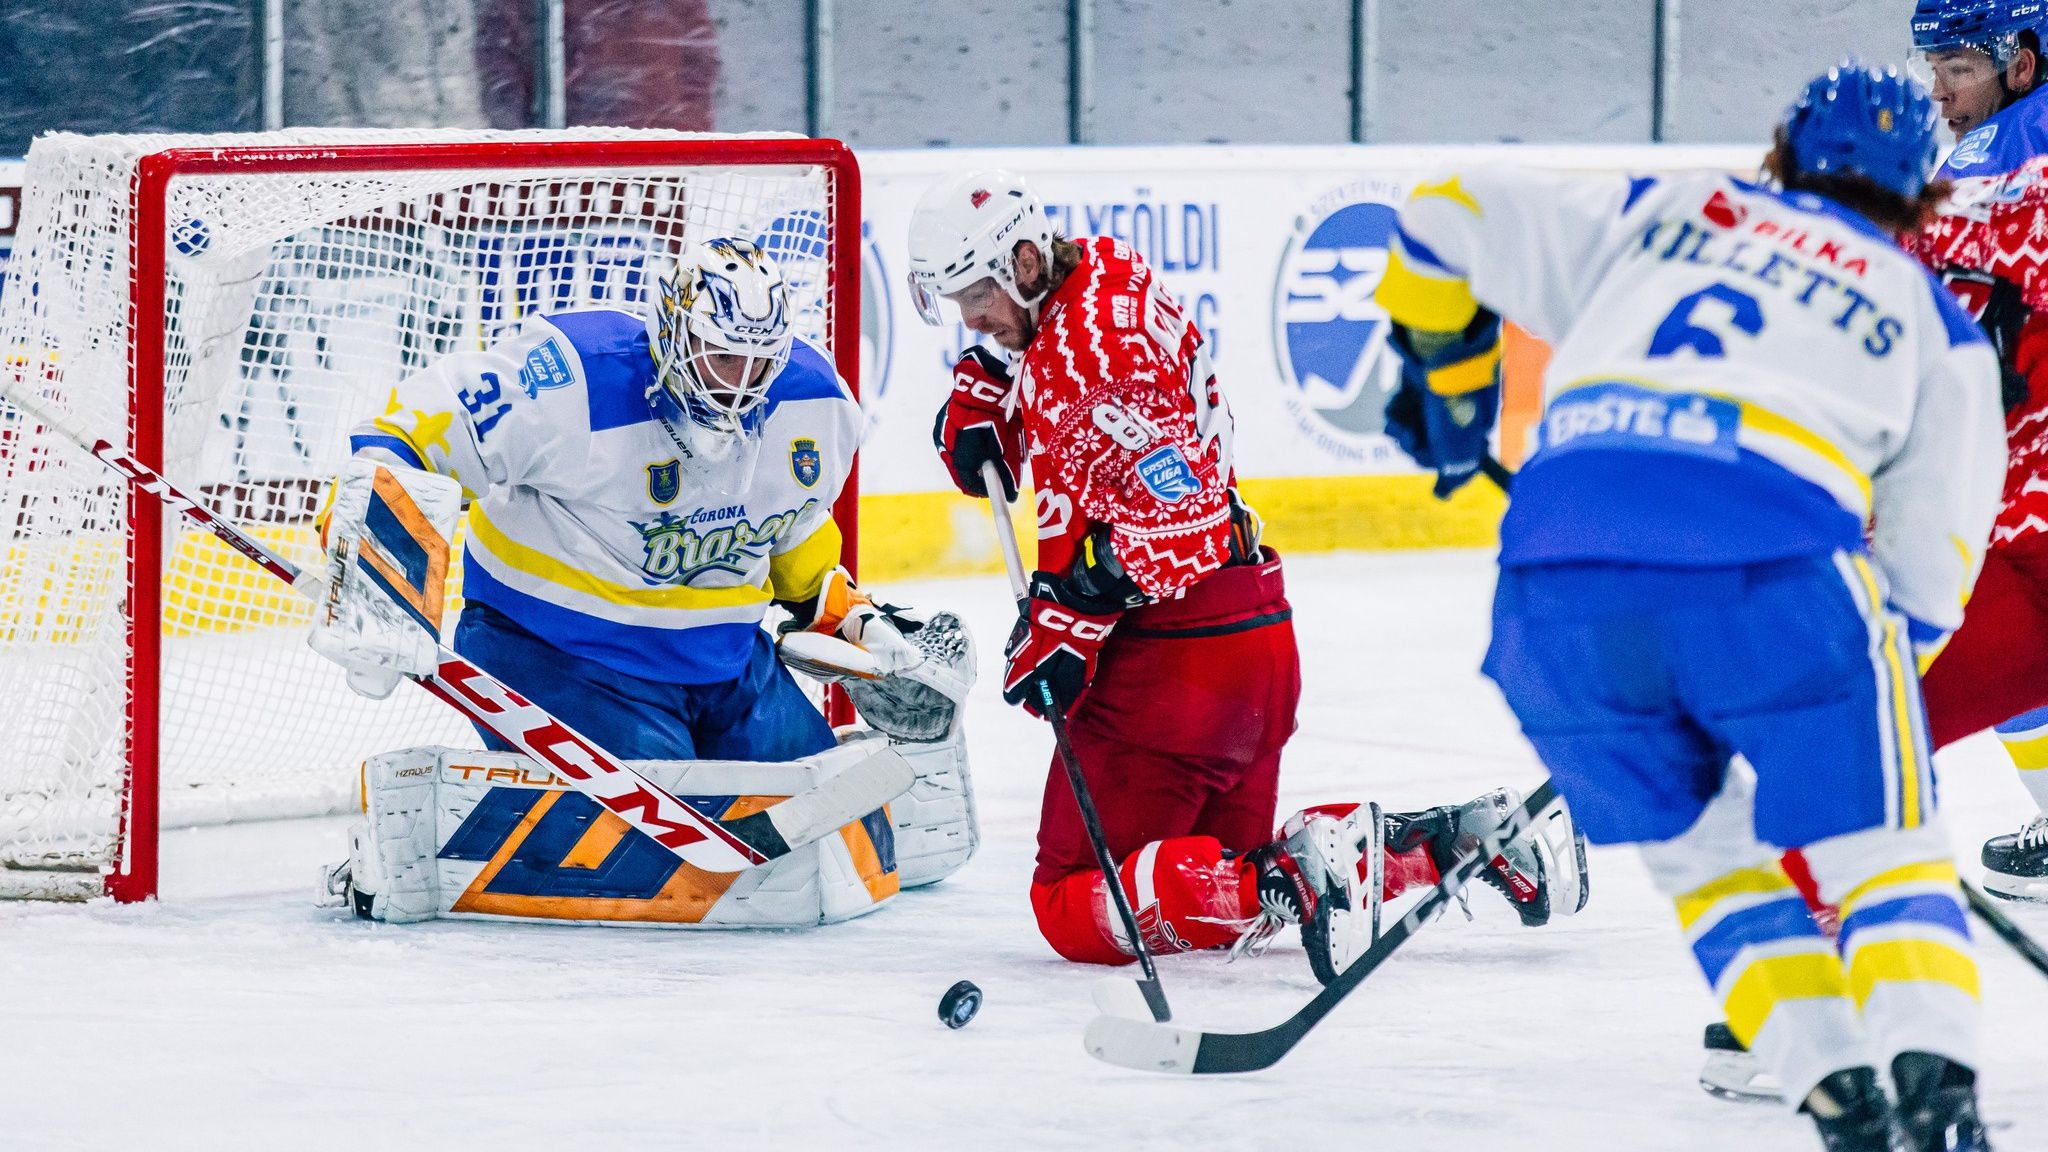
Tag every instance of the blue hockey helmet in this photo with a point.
(1992, 27)
(1856, 120)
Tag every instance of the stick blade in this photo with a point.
(809, 816)
(1117, 996)
(1142, 1044)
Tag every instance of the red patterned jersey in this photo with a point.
(1126, 425)
(1996, 226)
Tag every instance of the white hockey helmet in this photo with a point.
(965, 228)
(721, 297)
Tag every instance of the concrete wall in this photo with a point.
(912, 73)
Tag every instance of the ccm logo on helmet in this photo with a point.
(1055, 620)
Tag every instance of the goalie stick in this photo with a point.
(1013, 561)
(1150, 1046)
(703, 842)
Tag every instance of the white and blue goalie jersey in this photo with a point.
(1738, 374)
(585, 527)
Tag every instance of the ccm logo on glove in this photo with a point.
(973, 428)
(1055, 619)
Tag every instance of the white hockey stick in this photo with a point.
(701, 841)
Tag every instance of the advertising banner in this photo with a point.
(1274, 254)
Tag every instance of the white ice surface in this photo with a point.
(232, 1014)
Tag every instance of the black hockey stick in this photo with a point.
(1159, 1047)
(1006, 535)
(1999, 923)
(1491, 468)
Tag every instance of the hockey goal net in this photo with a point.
(226, 307)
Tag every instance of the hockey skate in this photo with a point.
(1938, 1104)
(2016, 865)
(1732, 1071)
(1540, 874)
(338, 886)
(1310, 877)
(1852, 1113)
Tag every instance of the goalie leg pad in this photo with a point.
(480, 835)
(387, 536)
(935, 824)
(391, 866)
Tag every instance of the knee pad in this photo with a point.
(1187, 892)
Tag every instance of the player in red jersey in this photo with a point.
(1156, 616)
(1991, 246)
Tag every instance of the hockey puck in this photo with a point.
(959, 1004)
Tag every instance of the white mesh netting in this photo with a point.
(293, 301)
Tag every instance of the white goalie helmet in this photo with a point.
(722, 298)
(966, 228)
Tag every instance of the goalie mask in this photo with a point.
(722, 332)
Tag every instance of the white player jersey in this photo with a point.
(586, 527)
(1737, 374)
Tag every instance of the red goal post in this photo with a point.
(275, 286)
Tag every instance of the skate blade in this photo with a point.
(1734, 1076)
(2017, 889)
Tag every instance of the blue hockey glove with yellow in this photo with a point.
(1444, 410)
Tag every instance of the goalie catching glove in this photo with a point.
(907, 675)
(387, 535)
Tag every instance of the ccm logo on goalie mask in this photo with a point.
(1054, 619)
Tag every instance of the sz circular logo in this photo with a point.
(1336, 370)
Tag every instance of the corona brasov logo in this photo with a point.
(1336, 370)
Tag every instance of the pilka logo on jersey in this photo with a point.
(978, 197)
(1723, 211)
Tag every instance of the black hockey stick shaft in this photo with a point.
(1164, 1048)
(1155, 993)
(2029, 949)
(1494, 470)
(1013, 562)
